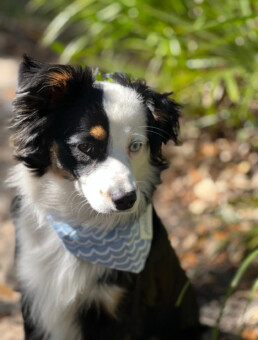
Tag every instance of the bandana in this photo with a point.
(123, 247)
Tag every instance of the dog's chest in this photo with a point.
(58, 284)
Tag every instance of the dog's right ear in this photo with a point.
(29, 68)
(52, 81)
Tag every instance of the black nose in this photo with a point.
(124, 200)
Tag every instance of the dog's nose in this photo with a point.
(123, 200)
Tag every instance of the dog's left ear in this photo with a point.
(163, 117)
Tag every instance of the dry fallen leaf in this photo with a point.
(8, 294)
(250, 334)
(206, 190)
(188, 260)
(209, 149)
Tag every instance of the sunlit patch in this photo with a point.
(98, 132)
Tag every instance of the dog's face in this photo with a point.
(105, 137)
(103, 145)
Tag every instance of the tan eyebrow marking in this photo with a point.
(98, 132)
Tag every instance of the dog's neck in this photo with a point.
(124, 247)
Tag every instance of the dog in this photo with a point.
(93, 258)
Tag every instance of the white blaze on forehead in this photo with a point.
(125, 111)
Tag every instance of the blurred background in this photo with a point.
(206, 53)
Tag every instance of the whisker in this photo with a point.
(155, 128)
(154, 132)
(83, 204)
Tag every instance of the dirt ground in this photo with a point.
(10, 318)
(208, 202)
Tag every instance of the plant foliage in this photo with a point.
(206, 50)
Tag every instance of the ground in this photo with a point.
(208, 203)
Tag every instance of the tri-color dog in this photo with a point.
(93, 259)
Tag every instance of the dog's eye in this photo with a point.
(86, 148)
(135, 146)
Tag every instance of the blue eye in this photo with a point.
(135, 146)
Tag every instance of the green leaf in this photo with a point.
(61, 20)
(240, 272)
(73, 48)
(215, 25)
(110, 12)
(182, 294)
(232, 87)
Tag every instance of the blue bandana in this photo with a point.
(123, 247)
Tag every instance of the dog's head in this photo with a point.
(105, 137)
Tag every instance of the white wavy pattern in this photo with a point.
(121, 248)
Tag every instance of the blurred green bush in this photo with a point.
(206, 50)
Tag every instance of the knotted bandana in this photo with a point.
(125, 247)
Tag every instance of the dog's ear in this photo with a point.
(41, 89)
(51, 81)
(163, 118)
(28, 71)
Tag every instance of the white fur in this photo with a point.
(57, 282)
